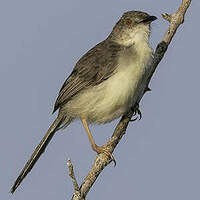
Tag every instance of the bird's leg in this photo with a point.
(96, 148)
(136, 110)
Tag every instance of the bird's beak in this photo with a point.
(149, 19)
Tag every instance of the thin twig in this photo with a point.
(77, 192)
(102, 160)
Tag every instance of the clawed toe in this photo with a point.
(99, 150)
(136, 111)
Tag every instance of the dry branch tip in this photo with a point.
(167, 17)
(77, 191)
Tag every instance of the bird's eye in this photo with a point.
(128, 21)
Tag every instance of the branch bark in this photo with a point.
(102, 160)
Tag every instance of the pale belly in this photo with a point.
(110, 99)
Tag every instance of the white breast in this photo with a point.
(124, 88)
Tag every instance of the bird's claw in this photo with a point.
(136, 111)
(100, 150)
(132, 120)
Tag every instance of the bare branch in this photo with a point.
(102, 160)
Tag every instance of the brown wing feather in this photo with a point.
(94, 67)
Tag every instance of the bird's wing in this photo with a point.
(94, 67)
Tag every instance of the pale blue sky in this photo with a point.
(158, 158)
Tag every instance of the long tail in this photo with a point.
(38, 151)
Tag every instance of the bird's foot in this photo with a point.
(100, 150)
(136, 111)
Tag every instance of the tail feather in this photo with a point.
(37, 153)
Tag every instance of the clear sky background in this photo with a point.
(158, 158)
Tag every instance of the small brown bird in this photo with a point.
(105, 83)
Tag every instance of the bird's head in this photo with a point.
(133, 27)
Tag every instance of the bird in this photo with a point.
(105, 83)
